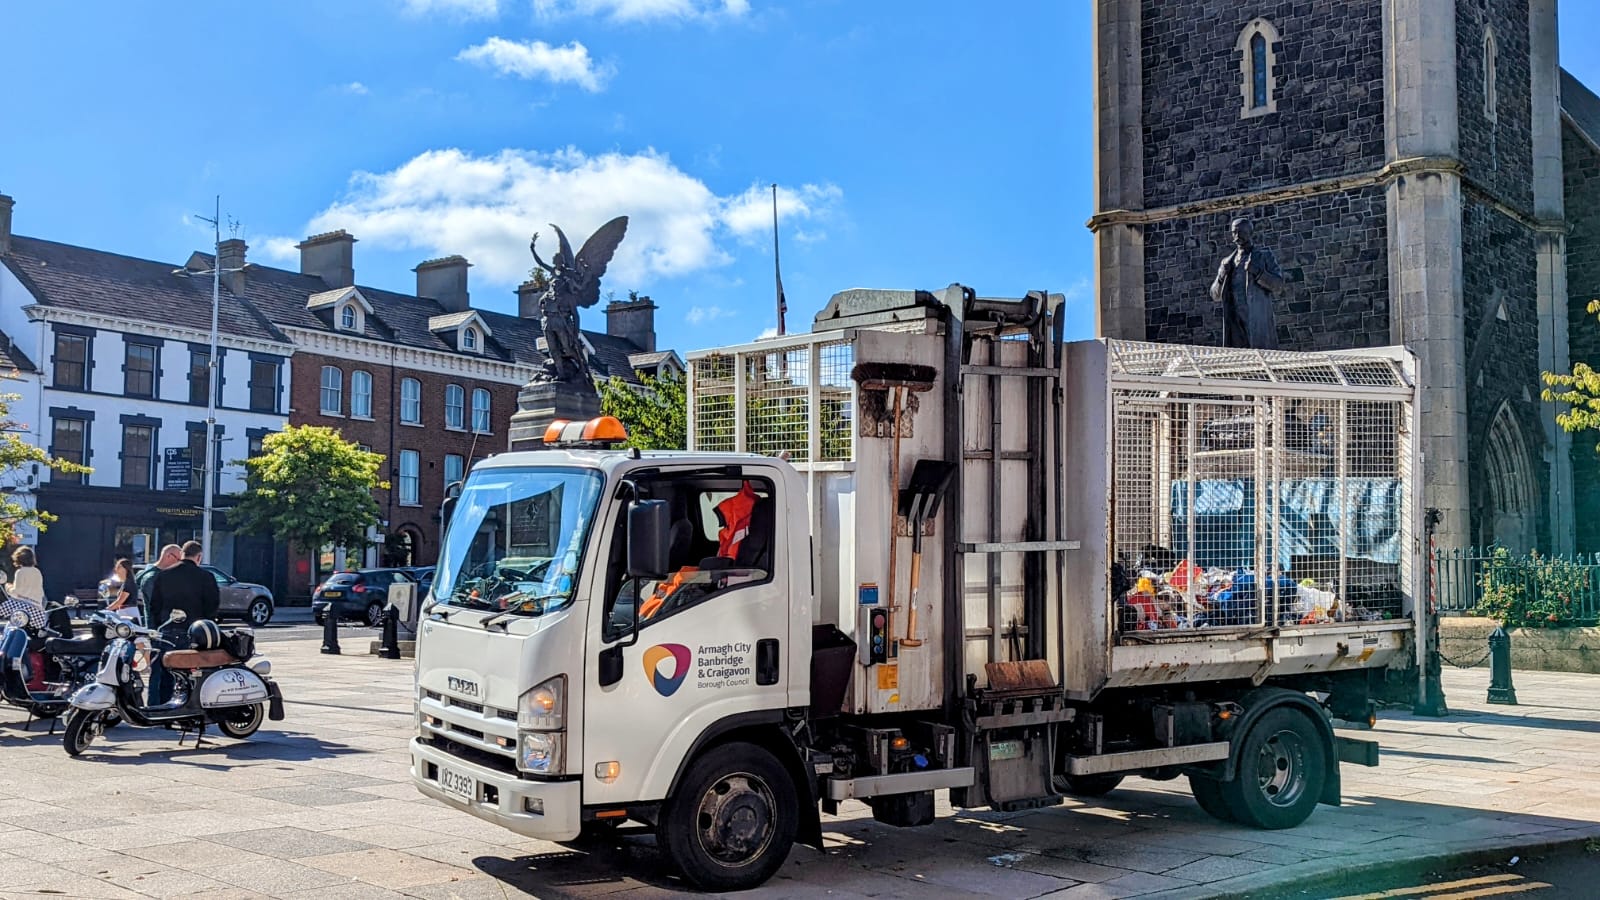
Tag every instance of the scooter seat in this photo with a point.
(73, 647)
(197, 659)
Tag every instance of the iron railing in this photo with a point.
(1567, 586)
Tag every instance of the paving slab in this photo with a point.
(321, 806)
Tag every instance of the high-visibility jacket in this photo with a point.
(734, 514)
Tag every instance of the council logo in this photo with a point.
(666, 684)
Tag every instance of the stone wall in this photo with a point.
(1333, 249)
(1498, 154)
(1329, 90)
(1499, 268)
(1582, 193)
(1465, 639)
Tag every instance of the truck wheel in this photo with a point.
(1208, 793)
(1091, 785)
(733, 820)
(1282, 765)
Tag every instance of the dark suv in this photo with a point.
(360, 595)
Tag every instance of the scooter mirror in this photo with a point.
(3, 578)
(179, 617)
(70, 602)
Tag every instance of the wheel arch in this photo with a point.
(765, 730)
(1258, 703)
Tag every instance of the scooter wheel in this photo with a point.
(242, 722)
(82, 728)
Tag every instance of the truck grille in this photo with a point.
(470, 730)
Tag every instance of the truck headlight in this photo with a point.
(542, 752)
(544, 706)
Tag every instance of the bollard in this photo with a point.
(1500, 687)
(330, 632)
(390, 646)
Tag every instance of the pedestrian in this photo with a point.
(157, 683)
(127, 589)
(14, 600)
(26, 581)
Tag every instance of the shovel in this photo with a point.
(919, 502)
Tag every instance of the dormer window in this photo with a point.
(464, 331)
(347, 318)
(342, 309)
(469, 339)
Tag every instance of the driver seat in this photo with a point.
(74, 646)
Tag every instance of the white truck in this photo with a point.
(929, 546)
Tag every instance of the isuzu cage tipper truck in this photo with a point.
(929, 546)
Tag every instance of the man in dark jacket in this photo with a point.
(190, 588)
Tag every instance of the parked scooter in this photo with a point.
(219, 682)
(42, 664)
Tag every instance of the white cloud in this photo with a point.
(769, 332)
(536, 59)
(700, 315)
(356, 88)
(1080, 289)
(643, 10)
(750, 213)
(486, 208)
(281, 249)
(455, 9)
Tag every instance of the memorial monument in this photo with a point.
(565, 389)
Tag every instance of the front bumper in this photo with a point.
(562, 801)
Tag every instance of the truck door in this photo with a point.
(712, 637)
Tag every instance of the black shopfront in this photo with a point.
(96, 525)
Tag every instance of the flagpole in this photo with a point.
(777, 272)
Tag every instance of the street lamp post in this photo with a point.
(211, 374)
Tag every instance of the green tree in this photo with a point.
(1578, 390)
(15, 454)
(654, 412)
(312, 488)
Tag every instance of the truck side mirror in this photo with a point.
(648, 526)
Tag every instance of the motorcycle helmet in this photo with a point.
(205, 635)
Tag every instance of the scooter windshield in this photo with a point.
(515, 539)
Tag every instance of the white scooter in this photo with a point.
(227, 686)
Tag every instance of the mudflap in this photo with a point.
(274, 702)
(1015, 770)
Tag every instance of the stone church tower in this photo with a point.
(1404, 159)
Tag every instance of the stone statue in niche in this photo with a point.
(572, 283)
(1246, 284)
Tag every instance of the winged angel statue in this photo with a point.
(573, 283)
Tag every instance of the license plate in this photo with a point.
(999, 751)
(458, 784)
(332, 595)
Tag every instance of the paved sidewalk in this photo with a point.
(321, 808)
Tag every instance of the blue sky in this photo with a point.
(917, 142)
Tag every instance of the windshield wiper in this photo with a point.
(537, 610)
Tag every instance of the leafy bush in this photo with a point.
(1532, 591)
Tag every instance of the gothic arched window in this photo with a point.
(1258, 62)
(1491, 91)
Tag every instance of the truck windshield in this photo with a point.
(515, 539)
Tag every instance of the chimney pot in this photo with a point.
(444, 280)
(330, 256)
(5, 223)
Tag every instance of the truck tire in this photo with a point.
(1090, 785)
(1208, 793)
(733, 819)
(1282, 765)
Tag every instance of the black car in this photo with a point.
(362, 594)
(424, 578)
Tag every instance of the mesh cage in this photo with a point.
(1258, 489)
(792, 397)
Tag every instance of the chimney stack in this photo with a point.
(230, 255)
(445, 280)
(331, 256)
(528, 300)
(5, 223)
(634, 320)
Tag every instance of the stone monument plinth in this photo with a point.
(540, 403)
